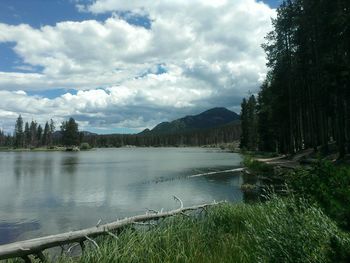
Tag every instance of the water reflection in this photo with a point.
(11, 231)
(69, 163)
(252, 195)
(46, 193)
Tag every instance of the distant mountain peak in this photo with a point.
(211, 118)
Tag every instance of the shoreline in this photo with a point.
(63, 149)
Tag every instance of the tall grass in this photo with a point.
(279, 230)
(327, 185)
(257, 167)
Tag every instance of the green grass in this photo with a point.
(259, 154)
(327, 185)
(279, 230)
(257, 167)
(39, 149)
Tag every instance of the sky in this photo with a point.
(122, 66)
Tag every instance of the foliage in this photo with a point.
(211, 136)
(249, 124)
(70, 132)
(35, 136)
(257, 167)
(19, 132)
(280, 230)
(328, 185)
(85, 146)
(305, 100)
(294, 231)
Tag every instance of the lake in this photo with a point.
(45, 193)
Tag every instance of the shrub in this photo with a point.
(328, 185)
(85, 146)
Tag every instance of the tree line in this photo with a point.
(305, 100)
(213, 136)
(33, 135)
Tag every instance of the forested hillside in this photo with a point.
(208, 119)
(212, 127)
(222, 134)
(305, 99)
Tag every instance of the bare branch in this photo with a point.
(153, 211)
(71, 247)
(93, 242)
(32, 246)
(180, 201)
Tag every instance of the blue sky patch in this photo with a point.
(38, 13)
(158, 69)
(136, 19)
(52, 93)
(8, 58)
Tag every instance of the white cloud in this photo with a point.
(210, 49)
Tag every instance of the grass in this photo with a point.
(323, 183)
(328, 185)
(39, 149)
(279, 230)
(257, 167)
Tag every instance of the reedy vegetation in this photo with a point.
(279, 230)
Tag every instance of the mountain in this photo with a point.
(208, 119)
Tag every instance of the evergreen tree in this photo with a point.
(33, 133)
(244, 125)
(252, 124)
(306, 97)
(19, 135)
(39, 135)
(266, 127)
(46, 134)
(70, 132)
(51, 131)
(27, 135)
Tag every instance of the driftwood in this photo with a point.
(35, 246)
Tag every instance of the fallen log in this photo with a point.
(35, 246)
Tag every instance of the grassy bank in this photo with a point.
(280, 230)
(83, 147)
(39, 149)
(323, 183)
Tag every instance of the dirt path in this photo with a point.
(290, 162)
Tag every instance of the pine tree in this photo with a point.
(51, 131)
(27, 135)
(70, 132)
(244, 125)
(306, 98)
(33, 133)
(45, 139)
(19, 135)
(39, 134)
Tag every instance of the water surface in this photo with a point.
(45, 193)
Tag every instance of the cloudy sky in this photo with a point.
(122, 66)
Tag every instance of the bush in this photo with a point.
(294, 231)
(258, 167)
(328, 185)
(85, 146)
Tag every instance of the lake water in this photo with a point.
(45, 193)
